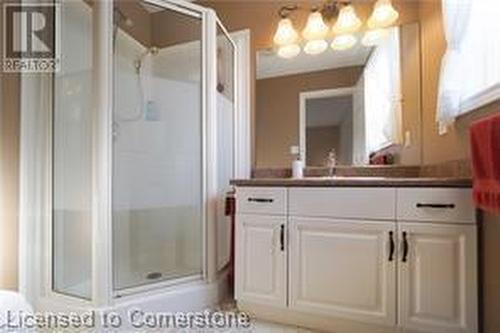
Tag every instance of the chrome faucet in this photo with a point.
(331, 162)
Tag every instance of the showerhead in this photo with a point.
(153, 50)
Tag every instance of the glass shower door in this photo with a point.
(226, 111)
(72, 154)
(157, 144)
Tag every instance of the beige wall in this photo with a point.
(140, 29)
(411, 91)
(161, 29)
(320, 141)
(261, 18)
(9, 176)
(277, 110)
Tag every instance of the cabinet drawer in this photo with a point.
(353, 203)
(261, 200)
(435, 204)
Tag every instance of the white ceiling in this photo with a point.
(270, 65)
(329, 111)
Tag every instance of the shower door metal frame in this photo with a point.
(200, 13)
(209, 158)
(36, 167)
(235, 165)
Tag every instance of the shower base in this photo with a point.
(184, 298)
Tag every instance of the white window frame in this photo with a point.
(303, 97)
(479, 100)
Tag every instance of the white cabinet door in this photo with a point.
(437, 279)
(343, 269)
(261, 259)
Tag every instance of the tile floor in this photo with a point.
(259, 326)
(266, 327)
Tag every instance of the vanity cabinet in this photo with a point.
(437, 270)
(261, 259)
(343, 268)
(359, 259)
(437, 278)
(261, 255)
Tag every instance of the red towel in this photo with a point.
(485, 145)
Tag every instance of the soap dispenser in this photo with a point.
(298, 164)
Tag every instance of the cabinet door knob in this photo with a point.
(392, 246)
(405, 247)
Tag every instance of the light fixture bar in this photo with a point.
(316, 32)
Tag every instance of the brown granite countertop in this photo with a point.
(356, 182)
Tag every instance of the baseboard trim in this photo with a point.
(308, 321)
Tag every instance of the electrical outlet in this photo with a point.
(294, 150)
(407, 139)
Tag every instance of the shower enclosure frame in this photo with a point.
(36, 256)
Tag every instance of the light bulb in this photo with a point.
(285, 34)
(344, 42)
(347, 22)
(314, 47)
(383, 15)
(315, 28)
(373, 37)
(289, 51)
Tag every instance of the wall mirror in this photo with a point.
(360, 105)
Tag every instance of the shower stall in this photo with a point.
(127, 153)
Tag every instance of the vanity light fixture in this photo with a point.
(344, 42)
(289, 51)
(348, 22)
(286, 34)
(316, 31)
(383, 15)
(286, 37)
(373, 37)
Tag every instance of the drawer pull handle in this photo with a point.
(405, 247)
(444, 206)
(392, 246)
(260, 200)
(282, 238)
